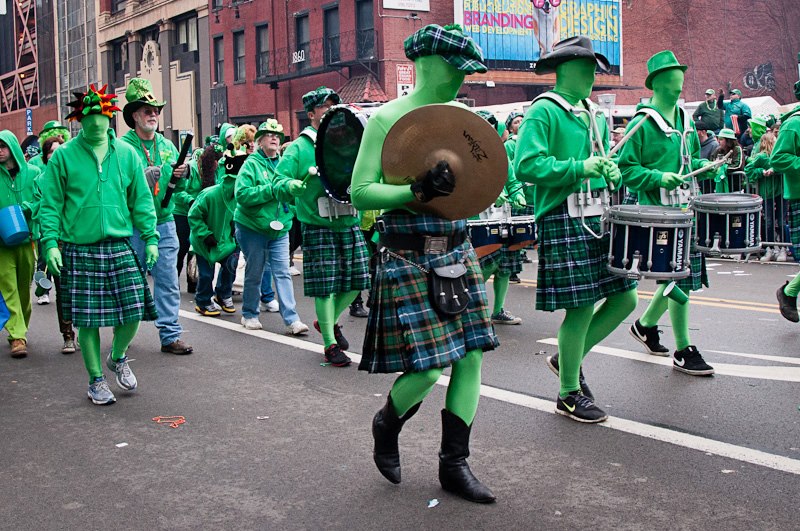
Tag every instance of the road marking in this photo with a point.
(779, 359)
(783, 374)
(656, 433)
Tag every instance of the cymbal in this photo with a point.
(428, 134)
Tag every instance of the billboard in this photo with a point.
(513, 34)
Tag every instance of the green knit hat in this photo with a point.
(318, 96)
(138, 93)
(270, 126)
(450, 43)
(660, 62)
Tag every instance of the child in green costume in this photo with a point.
(558, 149)
(404, 332)
(656, 157)
(94, 193)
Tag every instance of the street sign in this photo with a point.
(28, 122)
(405, 79)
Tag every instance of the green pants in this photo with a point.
(16, 274)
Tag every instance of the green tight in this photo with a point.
(500, 286)
(328, 311)
(463, 393)
(793, 288)
(585, 327)
(678, 316)
(90, 346)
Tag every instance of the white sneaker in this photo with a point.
(781, 257)
(293, 271)
(271, 306)
(252, 323)
(769, 255)
(297, 328)
(45, 299)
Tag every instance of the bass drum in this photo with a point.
(338, 140)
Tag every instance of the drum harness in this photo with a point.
(327, 206)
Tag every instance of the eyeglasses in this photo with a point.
(272, 135)
(150, 112)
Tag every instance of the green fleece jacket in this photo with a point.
(183, 199)
(262, 196)
(649, 153)
(786, 156)
(299, 156)
(161, 153)
(768, 186)
(17, 186)
(212, 214)
(38, 162)
(85, 201)
(551, 147)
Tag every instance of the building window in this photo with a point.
(217, 4)
(187, 33)
(117, 6)
(365, 29)
(219, 60)
(303, 45)
(331, 35)
(238, 57)
(119, 54)
(262, 51)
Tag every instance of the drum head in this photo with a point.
(727, 203)
(649, 214)
(338, 139)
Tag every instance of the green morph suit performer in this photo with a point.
(335, 255)
(404, 332)
(652, 160)
(555, 152)
(94, 193)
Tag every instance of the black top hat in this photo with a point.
(567, 50)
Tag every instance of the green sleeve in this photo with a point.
(52, 205)
(754, 169)
(513, 185)
(185, 196)
(533, 161)
(634, 175)
(250, 190)
(140, 203)
(197, 218)
(288, 170)
(785, 157)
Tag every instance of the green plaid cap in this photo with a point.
(317, 97)
(450, 43)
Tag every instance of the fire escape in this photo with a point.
(20, 87)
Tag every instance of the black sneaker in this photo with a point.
(337, 334)
(691, 362)
(357, 310)
(552, 362)
(514, 278)
(787, 305)
(525, 259)
(336, 357)
(648, 336)
(580, 407)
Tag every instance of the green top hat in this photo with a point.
(138, 93)
(53, 128)
(663, 60)
(727, 133)
(570, 49)
(270, 126)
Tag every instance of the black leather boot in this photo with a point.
(386, 426)
(454, 473)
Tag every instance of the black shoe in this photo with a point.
(525, 259)
(386, 426)
(357, 310)
(552, 362)
(514, 278)
(691, 362)
(336, 356)
(454, 473)
(787, 305)
(580, 407)
(337, 335)
(648, 336)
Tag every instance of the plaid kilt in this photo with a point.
(572, 263)
(102, 284)
(793, 213)
(698, 277)
(404, 332)
(631, 198)
(334, 261)
(507, 262)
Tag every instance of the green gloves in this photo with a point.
(595, 167)
(297, 187)
(670, 180)
(53, 260)
(150, 255)
(518, 200)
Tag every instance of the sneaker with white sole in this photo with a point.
(125, 377)
(690, 361)
(297, 328)
(69, 346)
(271, 306)
(648, 337)
(225, 304)
(211, 310)
(293, 271)
(769, 255)
(251, 323)
(100, 393)
(580, 408)
(781, 256)
(43, 299)
(504, 317)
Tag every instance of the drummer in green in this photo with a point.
(656, 157)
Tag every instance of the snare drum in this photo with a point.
(521, 232)
(728, 223)
(649, 241)
(486, 235)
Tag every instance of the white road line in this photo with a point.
(779, 359)
(685, 440)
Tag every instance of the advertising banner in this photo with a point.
(513, 34)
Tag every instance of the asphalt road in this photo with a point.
(275, 440)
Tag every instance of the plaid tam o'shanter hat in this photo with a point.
(93, 101)
(450, 43)
(317, 97)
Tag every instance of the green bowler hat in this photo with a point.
(270, 126)
(138, 93)
(663, 60)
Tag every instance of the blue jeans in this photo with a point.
(267, 293)
(259, 250)
(166, 289)
(205, 275)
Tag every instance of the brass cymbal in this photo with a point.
(428, 134)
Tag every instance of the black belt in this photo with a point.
(423, 243)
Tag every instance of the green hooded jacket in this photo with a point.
(194, 184)
(262, 196)
(299, 156)
(38, 162)
(768, 186)
(19, 189)
(162, 153)
(212, 214)
(551, 147)
(84, 201)
(786, 156)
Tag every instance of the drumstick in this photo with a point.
(627, 136)
(708, 167)
(312, 171)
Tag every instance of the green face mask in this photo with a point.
(438, 78)
(667, 87)
(574, 79)
(95, 128)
